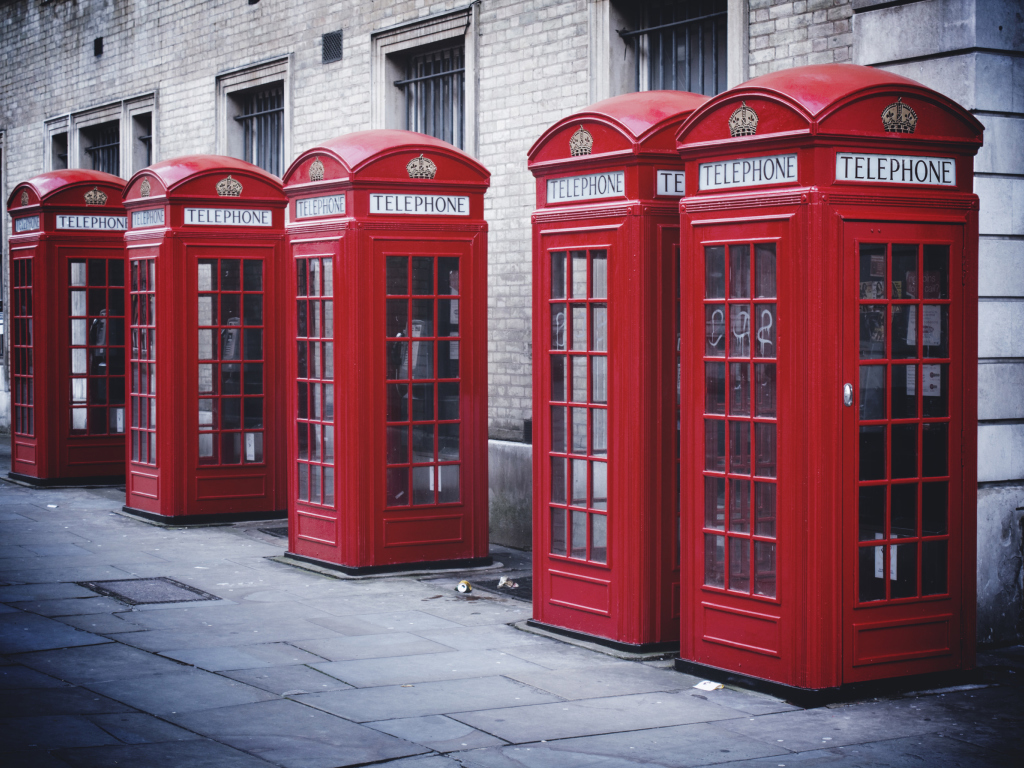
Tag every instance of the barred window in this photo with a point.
(435, 94)
(262, 121)
(103, 146)
(680, 46)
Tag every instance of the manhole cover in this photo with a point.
(148, 591)
(281, 531)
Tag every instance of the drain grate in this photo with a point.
(148, 591)
(280, 531)
(523, 590)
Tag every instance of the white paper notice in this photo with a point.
(250, 446)
(119, 427)
(453, 347)
(879, 559)
(912, 327)
(931, 380)
(912, 380)
(931, 325)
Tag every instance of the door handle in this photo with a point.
(847, 395)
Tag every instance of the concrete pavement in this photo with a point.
(291, 668)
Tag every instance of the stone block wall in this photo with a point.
(794, 33)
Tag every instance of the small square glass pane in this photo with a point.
(904, 271)
(714, 503)
(739, 389)
(904, 450)
(739, 506)
(397, 276)
(714, 330)
(936, 272)
(934, 501)
(558, 479)
(739, 565)
(739, 447)
(872, 331)
(578, 277)
(599, 327)
(904, 332)
(598, 274)
(558, 538)
(598, 485)
(423, 485)
(599, 376)
(764, 270)
(764, 509)
(714, 560)
(714, 272)
(558, 275)
(558, 326)
(598, 432)
(764, 568)
(764, 390)
(934, 567)
(447, 483)
(903, 570)
(872, 392)
(558, 378)
(871, 574)
(903, 510)
(599, 538)
(934, 450)
(764, 330)
(739, 330)
(739, 271)
(871, 512)
(579, 535)
(872, 452)
(579, 483)
(714, 445)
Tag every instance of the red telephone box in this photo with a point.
(387, 368)
(206, 378)
(829, 379)
(605, 324)
(67, 329)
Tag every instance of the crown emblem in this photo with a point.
(95, 197)
(581, 143)
(316, 170)
(743, 121)
(144, 188)
(899, 118)
(421, 168)
(24, 197)
(229, 187)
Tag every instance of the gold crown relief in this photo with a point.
(24, 197)
(95, 197)
(316, 170)
(581, 143)
(421, 168)
(229, 187)
(743, 121)
(899, 118)
(144, 188)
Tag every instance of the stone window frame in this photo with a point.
(612, 60)
(389, 48)
(124, 112)
(234, 81)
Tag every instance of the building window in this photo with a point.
(59, 151)
(254, 104)
(679, 46)
(262, 121)
(102, 146)
(435, 94)
(422, 74)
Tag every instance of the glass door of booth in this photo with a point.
(902, 402)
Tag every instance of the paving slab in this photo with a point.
(390, 645)
(112, 661)
(671, 747)
(178, 692)
(619, 679)
(103, 623)
(485, 637)
(593, 716)
(292, 680)
(23, 632)
(170, 640)
(17, 676)
(52, 732)
(203, 753)
(244, 657)
(46, 591)
(40, 702)
(420, 699)
(31, 758)
(140, 728)
(296, 736)
(554, 654)
(73, 606)
(437, 732)
(423, 668)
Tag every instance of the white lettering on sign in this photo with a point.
(26, 224)
(896, 169)
(592, 187)
(748, 172)
(151, 217)
(419, 205)
(332, 205)
(92, 222)
(671, 183)
(228, 217)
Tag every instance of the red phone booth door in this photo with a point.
(902, 435)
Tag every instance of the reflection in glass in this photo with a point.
(579, 327)
(599, 538)
(934, 450)
(397, 444)
(739, 271)
(903, 572)
(558, 275)
(579, 379)
(599, 327)
(422, 442)
(872, 392)
(714, 445)
(447, 483)
(599, 432)
(871, 512)
(397, 485)
(764, 443)
(904, 450)
(558, 479)
(764, 335)
(739, 565)
(397, 276)
(764, 390)
(764, 270)
(579, 535)
(714, 503)
(579, 274)
(598, 275)
(714, 272)
(739, 506)
(903, 511)
(739, 330)
(448, 442)
(714, 388)
(872, 331)
(936, 272)
(422, 275)
(872, 452)
(579, 430)
(904, 331)
(598, 485)
(933, 567)
(558, 428)
(714, 330)
(933, 508)
(764, 509)
(764, 568)
(599, 385)
(558, 326)
(714, 560)
(739, 389)
(871, 574)
(558, 539)
(422, 485)
(558, 378)
(904, 271)
(579, 483)
(739, 447)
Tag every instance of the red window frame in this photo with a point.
(22, 353)
(143, 360)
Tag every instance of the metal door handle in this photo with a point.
(847, 395)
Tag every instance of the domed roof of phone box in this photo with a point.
(184, 176)
(832, 99)
(43, 187)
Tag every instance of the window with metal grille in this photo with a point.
(680, 46)
(331, 47)
(435, 94)
(104, 147)
(262, 120)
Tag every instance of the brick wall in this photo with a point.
(794, 33)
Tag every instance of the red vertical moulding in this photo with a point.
(205, 377)
(605, 260)
(67, 326)
(387, 355)
(829, 364)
